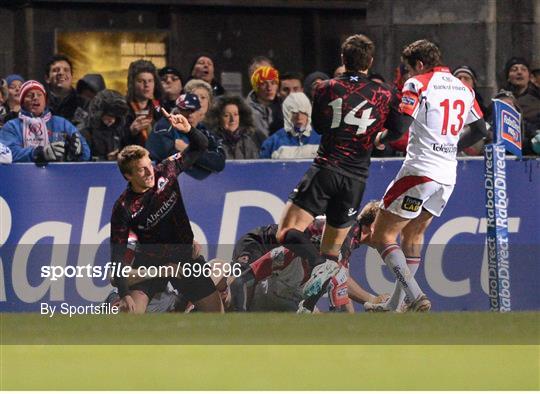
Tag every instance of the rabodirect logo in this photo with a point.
(511, 130)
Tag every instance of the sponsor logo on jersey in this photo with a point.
(165, 208)
(444, 148)
(411, 204)
(161, 183)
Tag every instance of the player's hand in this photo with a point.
(178, 121)
(180, 145)
(127, 304)
(141, 122)
(377, 142)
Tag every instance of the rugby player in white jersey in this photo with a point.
(440, 105)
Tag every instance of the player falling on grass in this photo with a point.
(440, 106)
(273, 276)
(348, 111)
(152, 208)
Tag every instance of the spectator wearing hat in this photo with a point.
(256, 62)
(12, 104)
(297, 139)
(172, 84)
(165, 140)
(90, 85)
(105, 127)
(39, 136)
(263, 100)
(204, 68)
(230, 119)
(63, 99)
(311, 81)
(468, 77)
(144, 92)
(517, 75)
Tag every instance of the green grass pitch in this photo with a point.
(482, 351)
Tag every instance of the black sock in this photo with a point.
(300, 245)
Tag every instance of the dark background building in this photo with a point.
(299, 35)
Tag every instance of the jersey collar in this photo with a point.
(442, 69)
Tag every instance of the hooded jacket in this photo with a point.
(101, 138)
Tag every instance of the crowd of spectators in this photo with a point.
(56, 121)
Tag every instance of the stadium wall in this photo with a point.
(46, 214)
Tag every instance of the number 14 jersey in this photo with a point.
(441, 106)
(349, 111)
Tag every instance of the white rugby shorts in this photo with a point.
(409, 192)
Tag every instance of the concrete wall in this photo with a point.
(482, 34)
(300, 36)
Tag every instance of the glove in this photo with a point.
(52, 152)
(76, 144)
(75, 147)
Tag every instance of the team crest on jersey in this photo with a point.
(411, 204)
(161, 183)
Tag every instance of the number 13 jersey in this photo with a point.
(441, 106)
(348, 112)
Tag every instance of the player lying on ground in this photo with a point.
(349, 111)
(273, 276)
(439, 105)
(152, 208)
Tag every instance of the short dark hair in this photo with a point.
(292, 75)
(422, 50)
(128, 155)
(357, 52)
(57, 58)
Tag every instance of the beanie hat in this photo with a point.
(13, 77)
(310, 79)
(30, 85)
(465, 69)
(512, 62)
(169, 70)
(262, 74)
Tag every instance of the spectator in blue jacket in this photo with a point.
(297, 140)
(39, 136)
(165, 140)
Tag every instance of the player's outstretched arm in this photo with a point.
(198, 143)
(476, 131)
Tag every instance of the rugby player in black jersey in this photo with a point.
(349, 111)
(152, 208)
